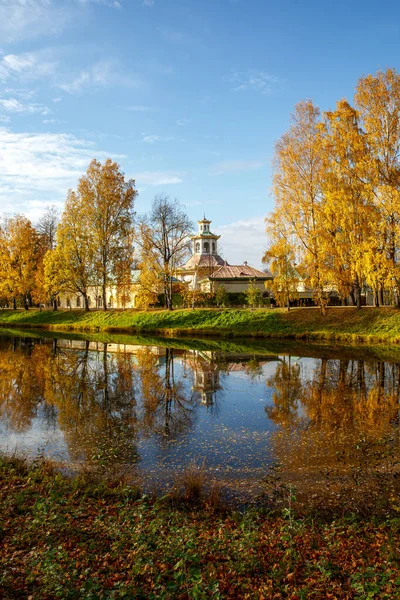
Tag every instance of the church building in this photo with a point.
(206, 270)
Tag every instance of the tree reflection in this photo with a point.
(93, 392)
(343, 401)
(287, 386)
(21, 383)
(167, 408)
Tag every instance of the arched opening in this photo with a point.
(213, 247)
(206, 247)
(197, 247)
(110, 302)
(78, 302)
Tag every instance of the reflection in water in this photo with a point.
(161, 408)
(167, 408)
(338, 429)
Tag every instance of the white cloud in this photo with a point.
(29, 19)
(148, 2)
(183, 122)
(26, 66)
(157, 178)
(151, 138)
(253, 80)
(232, 166)
(110, 3)
(4, 119)
(15, 106)
(244, 240)
(101, 74)
(37, 169)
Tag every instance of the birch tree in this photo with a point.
(297, 188)
(107, 202)
(165, 229)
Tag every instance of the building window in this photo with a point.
(197, 247)
(99, 301)
(78, 302)
(213, 247)
(206, 247)
(110, 302)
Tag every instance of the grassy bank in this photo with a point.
(344, 324)
(78, 538)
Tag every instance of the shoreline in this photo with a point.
(340, 324)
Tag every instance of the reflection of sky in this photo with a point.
(39, 438)
(231, 436)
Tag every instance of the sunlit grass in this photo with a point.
(345, 324)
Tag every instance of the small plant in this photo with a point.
(221, 296)
(253, 294)
(190, 484)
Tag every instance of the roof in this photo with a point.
(201, 234)
(204, 260)
(239, 272)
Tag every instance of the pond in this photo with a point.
(242, 412)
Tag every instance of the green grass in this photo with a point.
(259, 347)
(344, 324)
(84, 539)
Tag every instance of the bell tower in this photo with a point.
(205, 242)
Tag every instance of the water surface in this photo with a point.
(157, 409)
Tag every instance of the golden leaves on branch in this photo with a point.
(337, 196)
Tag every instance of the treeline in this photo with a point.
(90, 245)
(336, 221)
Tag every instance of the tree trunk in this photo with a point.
(104, 293)
(167, 292)
(376, 298)
(396, 298)
(14, 303)
(381, 296)
(86, 301)
(54, 303)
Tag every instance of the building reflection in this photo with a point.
(105, 399)
(206, 375)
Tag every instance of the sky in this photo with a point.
(188, 96)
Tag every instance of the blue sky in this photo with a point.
(188, 95)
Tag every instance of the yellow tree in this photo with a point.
(70, 266)
(298, 173)
(18, 260)
(377, 98)
(106, 200)
(281, 261)
(348, 209)
(150, 272)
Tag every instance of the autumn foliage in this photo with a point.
(336, 185)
